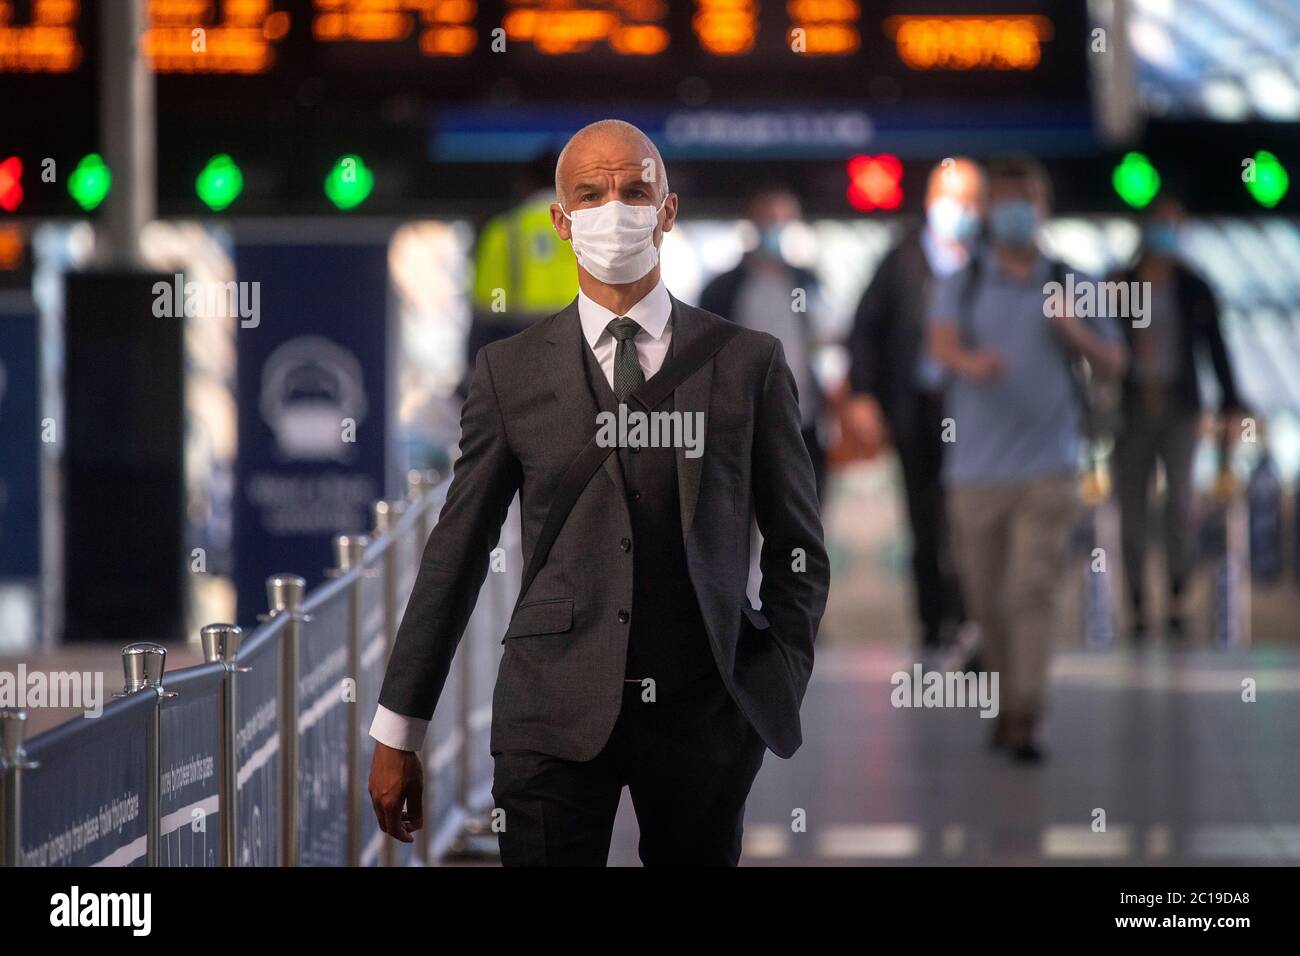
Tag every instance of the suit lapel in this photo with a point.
(690, 396)
(567, 379)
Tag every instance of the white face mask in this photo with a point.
(615, 242)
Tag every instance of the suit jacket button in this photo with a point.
(623, 617)
(626, 544)
(634, 495)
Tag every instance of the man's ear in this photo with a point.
(670, 211)
(560, 222)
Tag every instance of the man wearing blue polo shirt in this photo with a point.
(1013, 420)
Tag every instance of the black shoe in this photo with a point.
(1020, 739)
(1027, 752)
(1138, 634)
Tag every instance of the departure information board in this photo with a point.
(445, 47)
(280, 90)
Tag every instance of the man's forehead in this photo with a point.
(606, 165)
(621, 163)
(606, 155)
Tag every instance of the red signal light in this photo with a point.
(875, 182)
(11, 184)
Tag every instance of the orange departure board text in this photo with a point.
(824, 27)
(192, 36)
(556, 27)
(745, 48)
(445, 27)
(47, 43)
(726, 27)
(969, 42)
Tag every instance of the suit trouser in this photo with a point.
(688, 759)
(920, 456)
(1171, 438)
(1012, 540)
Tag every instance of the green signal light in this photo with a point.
(90, 182)
(220, 182)
(1270, 181)
(349, 182)
(1136, 180)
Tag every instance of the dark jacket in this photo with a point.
(889, 333)
(560, 684)
(722, 292)
(1199, 332)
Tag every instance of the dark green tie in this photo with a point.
(628, 376)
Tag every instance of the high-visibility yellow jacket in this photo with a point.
(519, 254)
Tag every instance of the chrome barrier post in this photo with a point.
(419, 482)
(143, 665)
(13, 761)
(349, 553)
(414, 486)
(388, 513)
(284, 594)
(220, 644)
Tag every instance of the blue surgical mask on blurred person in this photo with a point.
(949, 219)
(769, 241)
(1160, 238)
(615, 242)
(1014, 222)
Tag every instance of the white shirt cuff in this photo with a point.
(398, 731)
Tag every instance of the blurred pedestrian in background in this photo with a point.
(897, 386)
(766, 292)
(522, 271)
(1161, 407)
(1013, 416)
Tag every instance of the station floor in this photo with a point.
(1153, 756)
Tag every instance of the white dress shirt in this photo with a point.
(653, 314)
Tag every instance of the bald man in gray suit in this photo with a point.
(633, 657)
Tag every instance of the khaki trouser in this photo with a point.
(1011, 542)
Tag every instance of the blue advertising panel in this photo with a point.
(313, 408)
(189, 764)
(20, 554)
(86, 803)
(257, 747)
(323, 727)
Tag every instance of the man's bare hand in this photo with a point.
(865, 420)
(397, 791)
(984, 366)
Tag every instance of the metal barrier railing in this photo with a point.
(260, 756)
